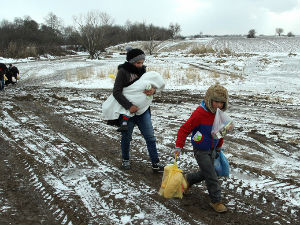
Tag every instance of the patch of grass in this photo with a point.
(86, 73)
(202, 50)
(227, 51)
(292, 54)
(83, 73)
(101, 74)
(265, 60)
(236, 68)
(236, 76)
(294, 141)
(279, 100)
(184, 76)
(215, 74)
(219, 61)
(166, 74)
(105, 73)
(192, 74)
(246, 54)
(69, 76)
(181, 46)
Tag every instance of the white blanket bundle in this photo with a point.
(111, 109)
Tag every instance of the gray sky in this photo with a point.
(194, 16)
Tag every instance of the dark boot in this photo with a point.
(158, 167)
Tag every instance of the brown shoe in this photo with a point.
(218, 207)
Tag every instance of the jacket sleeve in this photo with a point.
(120, 83)
(220, 143)
(186, 129)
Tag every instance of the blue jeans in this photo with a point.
(145, 126)
(2, 83)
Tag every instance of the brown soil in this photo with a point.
(36, 120)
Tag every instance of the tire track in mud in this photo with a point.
(72, 157)
(278, 191)
(33, 154)
(22, 204)
(92, 143)
(265, 191)
(89, 201)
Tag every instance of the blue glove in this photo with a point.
(177, 151)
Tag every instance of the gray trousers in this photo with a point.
(205, 160)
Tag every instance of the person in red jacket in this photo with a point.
(204, 145)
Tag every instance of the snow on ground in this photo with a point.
(265, 67)
(261, 66)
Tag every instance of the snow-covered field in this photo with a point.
(258, 66)
(262, 76)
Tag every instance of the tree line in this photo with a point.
(93, 32)
(279, 31)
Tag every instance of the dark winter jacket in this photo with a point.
(200, 124)
(14, 70)
(3, 67)
(127, 75)
(3, 70)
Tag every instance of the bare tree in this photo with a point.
(251, 33)
(152, 35)
(92, 27)
(174, 29)
(106, 19)
(53, 21)
(151, 45)
(279, 31)
(290, 34)
(70, 35)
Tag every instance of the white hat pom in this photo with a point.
(128, 48)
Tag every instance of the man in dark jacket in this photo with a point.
(128, 73)
(13, 73)
(3, 71)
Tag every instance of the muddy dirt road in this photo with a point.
(60, 162)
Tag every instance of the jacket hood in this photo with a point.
(217, 93)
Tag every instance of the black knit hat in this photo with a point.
(134, 55)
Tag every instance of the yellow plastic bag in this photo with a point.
(5, 77)
(173, 183)
(112, 76)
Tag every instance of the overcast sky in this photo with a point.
(214, 17)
